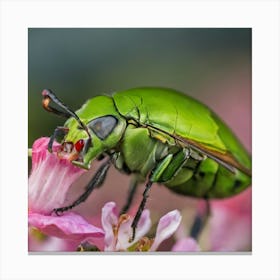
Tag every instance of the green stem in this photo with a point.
(30, 152)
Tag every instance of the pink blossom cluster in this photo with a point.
(229, 228)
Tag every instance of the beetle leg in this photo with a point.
(140, 209)
(174, 166)
(96, 181)
(131, 193)
(201, 220)
(60, 130)
(163, 171)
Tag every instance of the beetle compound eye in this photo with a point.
(79, 145)
(103, 126)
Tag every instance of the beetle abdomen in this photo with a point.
(198, 177)
(207, 178)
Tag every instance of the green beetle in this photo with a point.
(157, 135)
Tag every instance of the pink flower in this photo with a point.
(231, 223)
(39, 242)
(118, 230)
(49, 182)
(186, 244)
(229, 227)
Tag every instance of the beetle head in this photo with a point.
(94, 129)
(105, 134)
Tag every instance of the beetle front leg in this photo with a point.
(96, 181)
(60, 130)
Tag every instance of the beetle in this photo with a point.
(157, 135)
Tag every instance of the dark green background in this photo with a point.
(80, 63)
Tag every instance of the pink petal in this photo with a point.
(51, 244)
(231, 223)
(69, 226)
(167, 225)
(125, 231)
(109, 219)
(186, 244)
(230, 231)
(240, 204)
(50, 178)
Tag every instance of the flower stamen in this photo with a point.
(144, 244)
(122, 219)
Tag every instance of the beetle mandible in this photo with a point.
(157, 135)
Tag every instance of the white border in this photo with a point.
(262, 16)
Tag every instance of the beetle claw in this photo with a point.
(58, 211)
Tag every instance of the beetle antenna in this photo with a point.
(48, 96)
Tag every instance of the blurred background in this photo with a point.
(211, 64)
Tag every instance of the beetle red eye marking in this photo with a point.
(79, 145)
